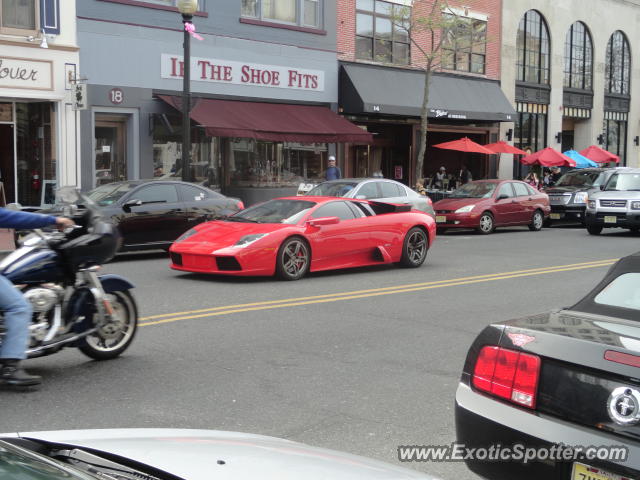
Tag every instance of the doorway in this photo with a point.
(7, 159)
(110, 162)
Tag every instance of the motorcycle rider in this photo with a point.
(17, 311)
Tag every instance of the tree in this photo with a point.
(439, 34)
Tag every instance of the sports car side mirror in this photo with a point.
(318, 222)
(131, 203)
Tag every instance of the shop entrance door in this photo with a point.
(7, 171)
(110, 153)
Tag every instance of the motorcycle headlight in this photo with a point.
(187, 234)
(580, 197)
(465, 209)
(635, 205)
(249, 239)
(591, 203)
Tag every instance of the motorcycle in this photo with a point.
(57, 272)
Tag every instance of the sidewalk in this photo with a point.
(7, 243)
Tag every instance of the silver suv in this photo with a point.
(617, 204)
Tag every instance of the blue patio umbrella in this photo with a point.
(581, 160)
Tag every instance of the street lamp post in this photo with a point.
(187, 8)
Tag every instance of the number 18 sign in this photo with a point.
(116, 96)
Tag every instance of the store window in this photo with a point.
(530, 132)
(532, 43)
(167, 152)
(578, 58)
(615, 137)
(257, 163)
(305, 13)
(618, 64)
(35, 161)
(465, 43)
(19, 15)
(382, 32)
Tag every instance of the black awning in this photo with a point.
(393, 91)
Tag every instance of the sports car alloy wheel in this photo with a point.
(414, 250)
(293, 259)
(486, 223)
(536, 221)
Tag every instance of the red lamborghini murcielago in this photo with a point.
(291, 236)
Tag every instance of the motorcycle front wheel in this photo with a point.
(112, 339)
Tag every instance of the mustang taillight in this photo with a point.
(508, 374)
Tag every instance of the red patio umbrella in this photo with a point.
(599, 155)
(504, 147)
(548, 157)
(465, 144)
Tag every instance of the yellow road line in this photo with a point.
(342, 296)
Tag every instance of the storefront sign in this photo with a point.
(240, 73)
(438, 113)
(26, 74)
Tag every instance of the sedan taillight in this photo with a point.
(508, 374)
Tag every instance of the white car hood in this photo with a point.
(199, 455)
(615, 195)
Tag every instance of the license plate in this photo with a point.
(556, 216)
(441, 219)
(610, 219)
(585, 472)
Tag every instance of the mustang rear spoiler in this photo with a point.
(382, 207)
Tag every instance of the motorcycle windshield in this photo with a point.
(70, 199)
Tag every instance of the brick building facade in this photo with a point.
(383, 92)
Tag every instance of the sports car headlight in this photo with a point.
(591, 203)
(465, 209)
(187, 234)
(635, 205)
(581, 197)
(249, 239)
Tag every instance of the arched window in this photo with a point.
(578, 58)
(533, 49)
(618, 64)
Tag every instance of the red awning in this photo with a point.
(275, 122)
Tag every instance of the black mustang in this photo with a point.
(569, 377)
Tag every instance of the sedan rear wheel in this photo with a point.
(293, 259)
(536, 221)
(414, 248)
(486, 225)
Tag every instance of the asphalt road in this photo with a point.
(361, 360)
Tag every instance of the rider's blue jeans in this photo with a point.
(17, 317)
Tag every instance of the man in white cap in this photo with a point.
(439, 177)
(333, 172)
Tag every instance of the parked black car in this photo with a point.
(151, 214)
(567, 377)
(568, 197)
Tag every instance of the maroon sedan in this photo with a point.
(487, 204)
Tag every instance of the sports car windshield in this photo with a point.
(474, 190)
(624, 181)
(274, 211)
(19, 464)
(624, 292)
(108, 194)
(580, 179)
(333, 189)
